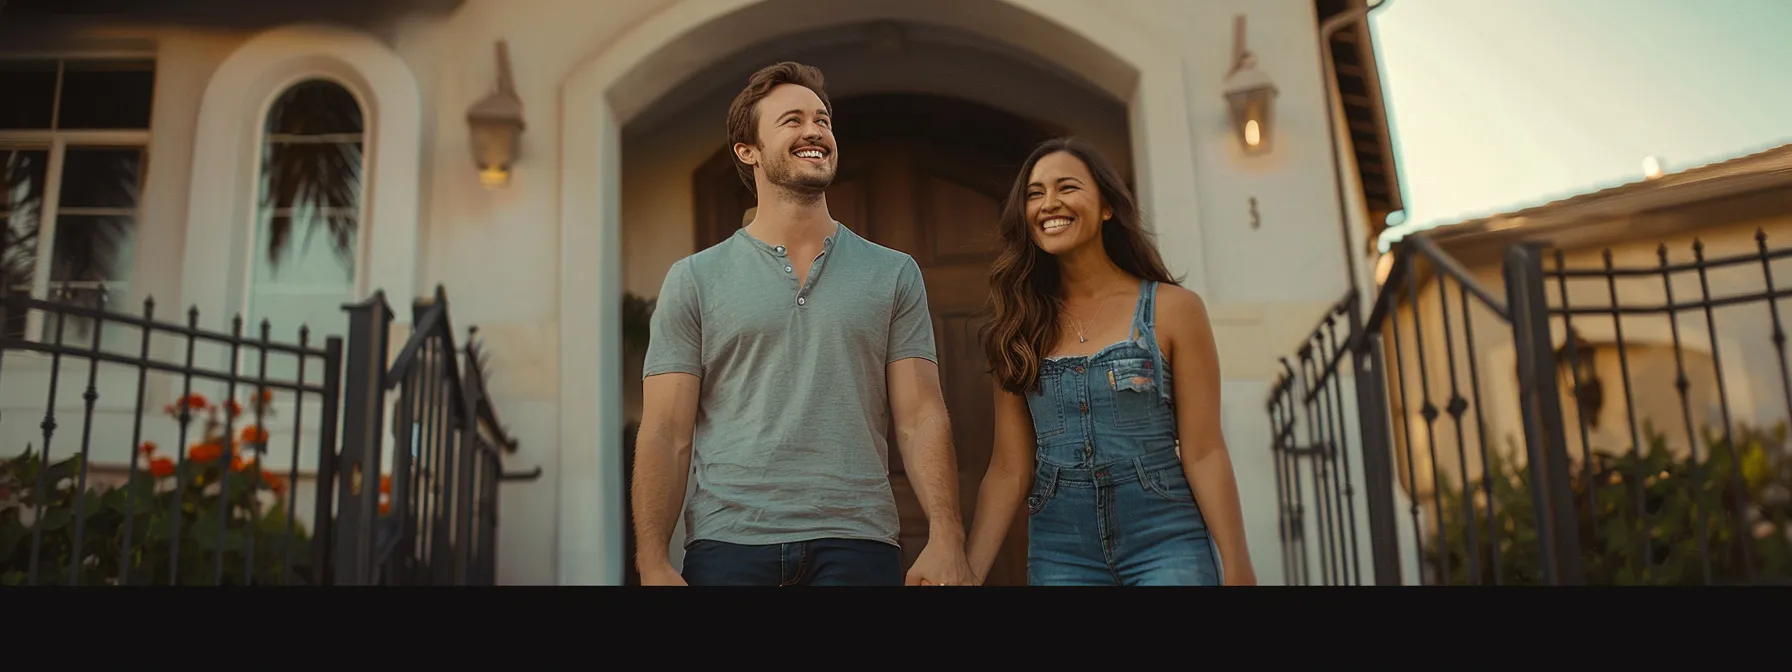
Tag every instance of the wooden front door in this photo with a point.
(934, 195)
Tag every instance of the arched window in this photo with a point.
(307, 242)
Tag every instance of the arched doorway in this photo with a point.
(925, 175)
(663, 86)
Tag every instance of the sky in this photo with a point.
(1497, 106)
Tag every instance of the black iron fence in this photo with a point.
(433, 518)
(1599, 421)
(279, 436)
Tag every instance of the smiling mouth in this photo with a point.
(810, 153)
(1056, 224)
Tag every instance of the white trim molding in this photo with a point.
(227, 154)
(626, 76)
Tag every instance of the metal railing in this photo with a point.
(224, 510)
(278, 436)
(1495, 416)
(433, 519)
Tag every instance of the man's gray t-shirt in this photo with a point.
(792, 420)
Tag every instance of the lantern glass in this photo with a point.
(1252, 121)
(494, 148)
(1584, 364)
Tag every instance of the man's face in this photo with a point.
(796, 141)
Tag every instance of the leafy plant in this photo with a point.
(637, 320)
(1642, 515)
(171, 522)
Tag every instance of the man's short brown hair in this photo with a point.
(743, 113)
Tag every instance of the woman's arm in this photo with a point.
(1005, 483)
(1194, 364)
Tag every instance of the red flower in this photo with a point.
(274, 482)
(253, 434)
(205, 452)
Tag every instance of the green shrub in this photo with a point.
(1622, 545)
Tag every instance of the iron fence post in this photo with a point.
(1378, 451)
(328, 467)
(1540, 403)
(363, 411)
(463, 483)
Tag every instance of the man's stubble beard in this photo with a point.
(795, 185)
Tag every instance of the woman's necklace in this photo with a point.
(1082, 336)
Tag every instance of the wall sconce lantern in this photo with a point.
(1249, 95)
(496, 123)
(1579, 372)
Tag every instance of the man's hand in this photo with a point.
(942, 563)
(662, 576)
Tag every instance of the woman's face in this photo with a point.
(1064, 206)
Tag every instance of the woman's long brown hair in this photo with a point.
(1024, 284)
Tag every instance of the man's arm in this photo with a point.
(662, 465)
(924, 438)
(924, 433)
(670, 389)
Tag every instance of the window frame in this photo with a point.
(56, 142)
(254, 244)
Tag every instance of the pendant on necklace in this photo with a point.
(1082, 339)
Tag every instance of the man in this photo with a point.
(777, 360)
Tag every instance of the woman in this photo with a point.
(1087, 334)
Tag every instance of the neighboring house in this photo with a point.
(621, 171)
(1736, 213)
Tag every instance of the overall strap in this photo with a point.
(1143, 317)
(1144, 332)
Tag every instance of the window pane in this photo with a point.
(93, 248)
(100, 178)
(20, 260)
(317, 252)
(315, 107)
(106, 94)
(306, 286)
(24, 172)
(307, 232)
(77, 330)
(19, 263)
(312, 175)
(29, 89)
(21, 201)
(15, 326)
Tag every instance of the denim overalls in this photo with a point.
(1110, 504)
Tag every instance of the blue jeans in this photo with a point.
(1131, 523)
(820, 562)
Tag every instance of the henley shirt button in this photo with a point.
(780, 249)
(788, 269)
(801, 300)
